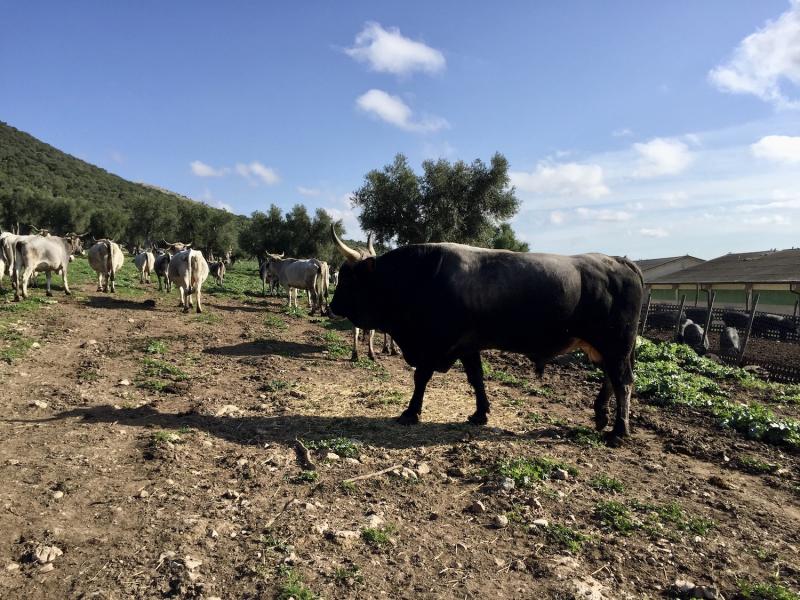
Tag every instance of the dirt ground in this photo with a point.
(157, 452)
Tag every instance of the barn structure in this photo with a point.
(653, 268)
(774, 274)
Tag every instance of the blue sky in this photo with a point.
(637, 128)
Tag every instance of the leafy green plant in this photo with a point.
(615, 515)
(766, 591)
(336, 346)
(342, 446)
(377, 536)
(525, 471)
(566, 537)
(293, 587)
(605, 483)
(156, 347)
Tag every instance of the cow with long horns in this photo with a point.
(447, 302)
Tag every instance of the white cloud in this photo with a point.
(789, 204)
(662, 156)
(256, 171)
(675, 199)
(603, 214)
(557, 217)
(306, 191)
(562, 179)
(388, 51)
(764, 59)
(778, 148)
(201, 169)
(393, 110)
(624, 132)
(767, 220)
(655, 232)
(208, 198)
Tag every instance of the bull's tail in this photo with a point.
(109, 259)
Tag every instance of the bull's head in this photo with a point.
(75, 243)
(356, 292)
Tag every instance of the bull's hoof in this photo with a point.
(612, 440)
(600, 422)
(16, 298)
(49, 293)
(354, 357)
(185, 309)
(478, 418)
(408, 418)
(372, 357)
(394, 352)
(99, 289)
(68, 293)
(199, 310)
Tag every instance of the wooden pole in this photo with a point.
(708, 316)
(696, 293)
(749, 329)
(647, 310)
(678, 318)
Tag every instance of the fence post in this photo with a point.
(647, 310)
(709, 316)
(678, 318)
(749, 329)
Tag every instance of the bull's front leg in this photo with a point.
(370, 344)
(354, 355)
(113, 279)
(48, 276)
(410, 416)
(100, 282)
(66, 283)
(199, 306)
(601, 405)
(474, 369)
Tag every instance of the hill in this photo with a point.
(42, 185)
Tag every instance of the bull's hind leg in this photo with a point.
(48, 277)
(370, 344)
(601, 405)
(410, 416)
(620, 374)
(474, 369)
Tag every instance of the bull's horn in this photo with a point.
(34, 227)
(187, 245)
(350, 254)
(370, 247)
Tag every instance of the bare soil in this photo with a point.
(189, 485)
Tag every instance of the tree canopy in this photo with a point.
(453, 202)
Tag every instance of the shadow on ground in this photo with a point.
(264, 346)
(285, 429)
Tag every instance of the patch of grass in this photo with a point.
(566, 537)
(270, 542)
(156, 347)
(672, 514)
(295, 312)
(373, 366)
(305, 477)
(615, 515)
(605, 483)
(535, 417)
(755, 465)
(293, 587)
(275, 385)
(159, 368)
(766, 591)
(275, 322)
(345, 575)
(207, 318)
(525, 471)
(336, 346)
(342, 446)
(15, 344)
(164, 436)
(377, 537)
(669, 374)
(585, 436)
(388, 398)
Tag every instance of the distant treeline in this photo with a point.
(44, 187)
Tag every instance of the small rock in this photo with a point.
(46, 568)
(213, 534)
(241, 462)
(231, 495)
(460, 546)
(375, 521)
(332, 456)
(423, 468)
(351, 461)
(124, 382)
(541, 523)
(308, 506)
(709, 592)
(228, 409)
(89, 343)
(191, 563)
(297, 394)
(144, 494)
(39, 404)
(46, 554)
(407, 473)
(292, 559)
(561, 474)
(500, 521)
(58, 494)
(683, 586)
(519, 565)
(344, 536)
(456, 472)
(477, 507)
(499, 562)
(36, 345)
(12, 566)
(508, 484)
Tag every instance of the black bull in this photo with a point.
(445, 302)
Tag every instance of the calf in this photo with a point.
(217, 271)
(162, 268)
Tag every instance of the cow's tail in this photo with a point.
(109, 259)
(626, 262)
(190, 271)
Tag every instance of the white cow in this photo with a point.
(188, 270)
(145, 263)
(48, 254)
(303, 274)
(106, 258)
(8, 241)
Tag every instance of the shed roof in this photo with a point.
(767, 266)
(651, 263)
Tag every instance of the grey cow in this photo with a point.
(43, 254)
